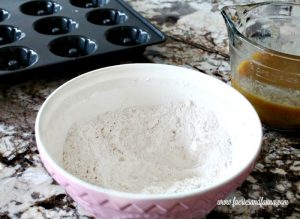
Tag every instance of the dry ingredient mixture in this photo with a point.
(170, 148)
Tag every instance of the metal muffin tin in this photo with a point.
(49, 34)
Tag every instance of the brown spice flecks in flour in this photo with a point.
(170, 148)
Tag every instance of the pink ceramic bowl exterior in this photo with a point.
(79, 98)
(107, 206)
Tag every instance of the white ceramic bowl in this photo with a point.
(122, 86)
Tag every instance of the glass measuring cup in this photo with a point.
(264, 43)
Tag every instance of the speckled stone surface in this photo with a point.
(197, 39)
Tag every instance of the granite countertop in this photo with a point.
(197, 39)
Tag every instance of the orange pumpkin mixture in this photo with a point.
(272, 84)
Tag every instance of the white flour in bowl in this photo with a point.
(176, 147)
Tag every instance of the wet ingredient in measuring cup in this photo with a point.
(272, 84)
(169, 148)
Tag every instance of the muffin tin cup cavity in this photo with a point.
(40, 7)
(16, 57)
(127, 36)
(9, 34)
(55, 25)
(4, 15)
(106, 17)
(72, 46)
(89, 3)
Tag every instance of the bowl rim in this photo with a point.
(141, 196)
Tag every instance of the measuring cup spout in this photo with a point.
(235, 15)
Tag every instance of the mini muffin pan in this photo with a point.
(36, 34)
